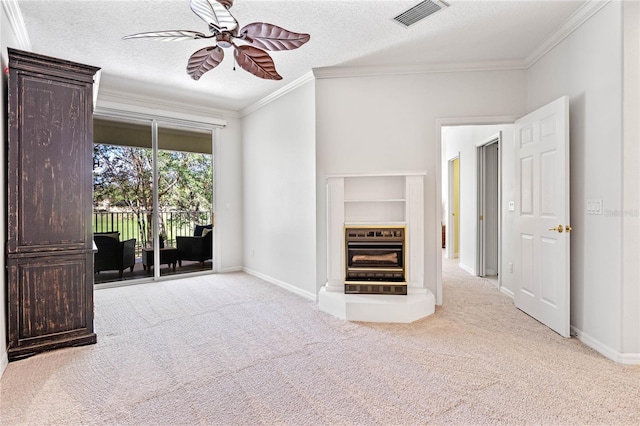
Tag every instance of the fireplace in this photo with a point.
(375, 260)
(376, 208)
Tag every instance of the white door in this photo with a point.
(542, 222)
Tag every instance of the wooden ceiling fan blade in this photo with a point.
(204, 60)
(257, 62)
(272, 37)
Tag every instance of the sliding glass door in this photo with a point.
(153, 194)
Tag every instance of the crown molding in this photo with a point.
(573, 22)
(383, 70)
(110, 96)
(277, 94)
(579, 17)
(14, 15)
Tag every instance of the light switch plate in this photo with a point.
(594, 206)
(512, 206)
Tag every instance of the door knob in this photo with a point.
(559, 228)
(567, 228)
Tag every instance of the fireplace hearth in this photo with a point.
(375, 260)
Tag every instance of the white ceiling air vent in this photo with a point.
(419, 12)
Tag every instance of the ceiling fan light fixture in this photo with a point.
(224, 40)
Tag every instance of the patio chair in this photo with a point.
(114, 254)
(196, 248)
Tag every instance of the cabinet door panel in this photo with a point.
(53, 159)
(49, 297)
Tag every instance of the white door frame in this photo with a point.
(440, 123)
(482, 208)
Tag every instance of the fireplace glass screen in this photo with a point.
(375, 256)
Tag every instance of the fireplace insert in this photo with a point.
(375, 260)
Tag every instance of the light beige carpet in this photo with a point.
(234, 350)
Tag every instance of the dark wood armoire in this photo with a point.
(49, 201)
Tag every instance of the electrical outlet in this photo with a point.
(510, 267)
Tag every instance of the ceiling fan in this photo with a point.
(223, 27)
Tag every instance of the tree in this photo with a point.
(123, 176)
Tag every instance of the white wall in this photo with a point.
(388, 124)
(463, 141)
(459, 142)
(229, 199)
(279, 196)
(587, 66)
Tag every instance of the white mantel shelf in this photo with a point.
(376, 199)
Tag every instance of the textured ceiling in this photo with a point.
(343, 33)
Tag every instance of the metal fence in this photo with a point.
(173, 223)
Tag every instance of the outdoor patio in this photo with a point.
(140, 273)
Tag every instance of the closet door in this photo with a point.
(49, 200)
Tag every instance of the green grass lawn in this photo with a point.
(127, 225)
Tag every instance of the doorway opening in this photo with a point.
(476, 147)
(534, 194)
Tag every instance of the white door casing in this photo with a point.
(481, 192)
(542, 215)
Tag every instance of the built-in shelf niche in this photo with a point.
(374, 199)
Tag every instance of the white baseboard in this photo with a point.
(466, 268)
(4, 361)
(613, 355)
(231, 269)
(286, 286)
(507, 292)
